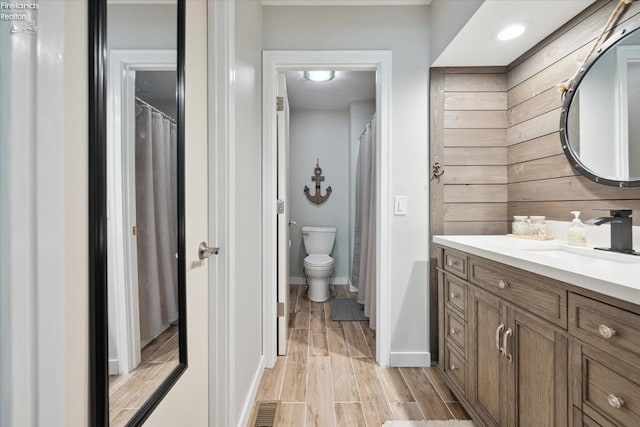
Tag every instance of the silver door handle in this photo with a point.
(500, 328)
(205, 251)
(292, 223)
(505, 349)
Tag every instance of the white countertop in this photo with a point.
(615, 275)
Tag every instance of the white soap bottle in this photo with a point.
(577, 235)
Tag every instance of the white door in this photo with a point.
(283, 215)
(187, 403)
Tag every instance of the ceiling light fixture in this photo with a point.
(511, 32)
(319, 76)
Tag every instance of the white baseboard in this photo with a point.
(253, 391)
(410, 359)
(333, 281)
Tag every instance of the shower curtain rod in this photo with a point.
(368, 123)
(165, 115)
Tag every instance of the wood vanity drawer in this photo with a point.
(455, 295)
(455, 367)
(582, 420)
(455, 262)
(539, 295)
(604, 325)
(610, 388)
(455, 330)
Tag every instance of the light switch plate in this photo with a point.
(400, 205)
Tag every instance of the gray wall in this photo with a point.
(324, 135)
(248, 291)
(149, 26)
(447, 18)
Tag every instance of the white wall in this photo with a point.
(324, 135)
(44, 332)
(360, 113)
(447, 18)
(405, 31)
(597, 97)
(248, 286)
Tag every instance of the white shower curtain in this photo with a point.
(156, 216)
(363, 272)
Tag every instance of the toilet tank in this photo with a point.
(318, 240)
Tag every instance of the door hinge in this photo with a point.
(280, 309)
(280, 103)
(134, 231)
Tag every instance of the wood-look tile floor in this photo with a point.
(128, 392)
(330, 378)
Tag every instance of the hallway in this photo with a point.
(330, 378)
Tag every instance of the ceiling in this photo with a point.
(476, 45)
(347, 87)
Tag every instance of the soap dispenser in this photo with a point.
(577, 235)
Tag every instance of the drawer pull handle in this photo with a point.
(500, 329)
(505, 338)
(606, 332)
(502, 284)
(454, 331)
(452, 262)
(615, 401)
(453, 295)
(453, 367)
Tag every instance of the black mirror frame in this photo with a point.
(98, 317)
(573, 158)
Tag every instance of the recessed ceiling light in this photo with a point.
(319, 76)
(511, 32)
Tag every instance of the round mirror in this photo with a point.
(600, 122)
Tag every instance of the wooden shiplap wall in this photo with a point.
(469, 133)
(540, 179)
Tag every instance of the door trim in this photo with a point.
(360, 60)
(222, 160)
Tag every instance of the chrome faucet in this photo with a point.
(621, 230)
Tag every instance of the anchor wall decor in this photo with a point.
(317, 198)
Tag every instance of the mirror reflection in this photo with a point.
(142, 204)
(603, 126)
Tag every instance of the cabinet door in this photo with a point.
(537, 372)
(487, 320)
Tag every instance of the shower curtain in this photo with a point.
(156, 217)
(363, 272)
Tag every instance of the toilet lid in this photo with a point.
(319, 260)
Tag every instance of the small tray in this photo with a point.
(530, 237)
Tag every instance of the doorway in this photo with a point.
(276, 65)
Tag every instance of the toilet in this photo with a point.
(318, 265)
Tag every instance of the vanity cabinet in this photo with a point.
(522, 349)
(518, 365)
(605, 362)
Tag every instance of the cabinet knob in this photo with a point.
(502, 284)
(454, 331)
(615, 401)
(451, 262)
(453, 295)
(453, 367)
(606, 332)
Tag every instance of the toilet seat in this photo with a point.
(318, 260)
